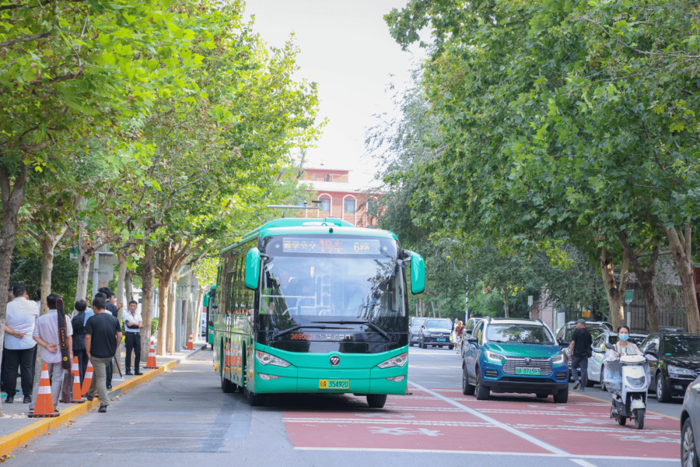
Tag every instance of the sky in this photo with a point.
(346, 48)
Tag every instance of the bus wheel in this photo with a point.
(376, 401)
(254, 399)
(226, 385)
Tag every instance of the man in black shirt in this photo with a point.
(580, 349)
(112, 307)
(102, 333)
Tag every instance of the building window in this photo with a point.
(327, 178)
(349, 206)
(325, 205)
(313, 177)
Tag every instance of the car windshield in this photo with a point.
(682, 346)
(417, 322)
(438, 324)
(594, 330)
(519, 333)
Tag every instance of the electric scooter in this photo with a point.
(627, 378)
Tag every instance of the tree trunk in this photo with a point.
(12, 198)
(646, 282)
(171, 319)
(506, 309)
(147, 278)
(681, 250)
(129, 286)
(198, 314)
(120, 283)
(615, 292)
(163, 299)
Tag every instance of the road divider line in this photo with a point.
(486, 418)
(582, 462)
(10, 442)
(489, 453)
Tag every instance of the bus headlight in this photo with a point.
(399, 360)
(268, 359)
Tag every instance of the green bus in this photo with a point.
(314, 306)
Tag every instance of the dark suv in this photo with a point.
(678, 355)
(436, 332)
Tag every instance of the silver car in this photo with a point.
(690, 426)
(595, 361)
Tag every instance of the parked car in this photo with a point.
(436, 332)
(468, 330)
(595, 362)
(414, 330)
(677, 365)
(690, 425)
(565, 333)
(514, 356)
(670, 329)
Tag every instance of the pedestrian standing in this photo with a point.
(79, 321)
(580, 349)
(46, 335)
(111, 302)
(20, 348)
(102, 334)
(132, 327)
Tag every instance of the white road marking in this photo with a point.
(489, 453)
(486, 418)
(582, 462)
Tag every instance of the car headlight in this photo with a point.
(269, 359)
(494, 356)
(399, 360)
(558, 358)
(680, 371)
(426, 334)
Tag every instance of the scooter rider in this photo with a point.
(623, 346)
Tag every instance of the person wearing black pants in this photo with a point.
(112, 307)
(19, 347)
(132, 325)
(78, 323)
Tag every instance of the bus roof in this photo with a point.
(301, 226)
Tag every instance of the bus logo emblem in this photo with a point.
(335, 360)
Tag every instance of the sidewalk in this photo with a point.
(15, 415)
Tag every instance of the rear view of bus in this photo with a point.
(324, 310)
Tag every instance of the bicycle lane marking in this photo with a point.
(531, 439)
(404, 423)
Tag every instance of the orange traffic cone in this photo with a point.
(77, 396)
(228, 356)
(88, 379)
(190, 342)
(44, 401)
(151, 361)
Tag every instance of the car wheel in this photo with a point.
(376, 401)
(482, 392)
(562, 397)
(689, 452)
(662, 394)
(451, 347)
(467, 389)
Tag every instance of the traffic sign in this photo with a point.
(629, 296)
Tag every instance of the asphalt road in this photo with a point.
(183, 418)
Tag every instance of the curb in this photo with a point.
(14, 440)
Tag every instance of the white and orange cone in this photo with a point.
(151, 361)
(77, 396)
(44, 401)
(190, 342)
(88, 379)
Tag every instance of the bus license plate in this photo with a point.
(527, 371)
(441, 340)
(333, 384)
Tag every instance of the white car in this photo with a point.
(595, 362)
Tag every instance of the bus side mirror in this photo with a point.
(417, 273)
(252, 268)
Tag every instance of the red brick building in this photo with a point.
(341, 196)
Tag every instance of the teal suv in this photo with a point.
(514, 356)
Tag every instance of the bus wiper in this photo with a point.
(379, 330)
(296, 328)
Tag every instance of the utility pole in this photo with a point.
(466, 298)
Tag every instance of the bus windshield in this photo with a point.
(332, 290)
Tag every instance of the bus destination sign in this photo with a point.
(342, 246)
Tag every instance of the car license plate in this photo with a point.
(333, 384)
(441, 340)
(527, 371)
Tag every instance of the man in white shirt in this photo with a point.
(46, 335)
(132, 325)
(19, 349)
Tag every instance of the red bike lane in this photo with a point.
(426, 420)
